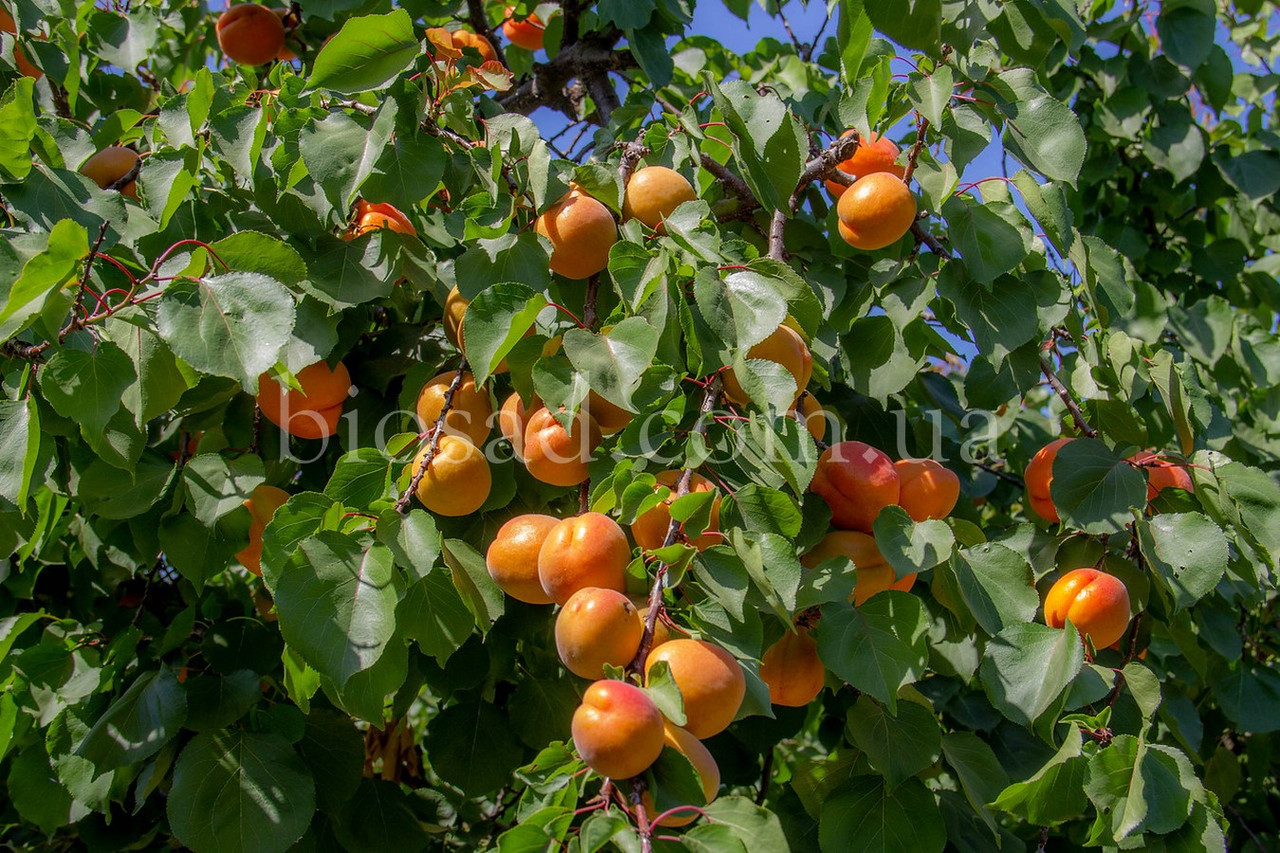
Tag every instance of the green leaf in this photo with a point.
(433, 613)
(911, 546)
(340, 152)
(361, 477)
(1094, 488)
(767, 138)
(238, 791)
(910, 23)
(661, 687)
(397, 826)
(1143, 788)
(253, 251)
(217, 485)
(1187, 554)
(367, 52)
(757, 828)
(167, 178)
(302, 516)
(1250, 697)
(626, 14)
(1056, 792)
(615, 361)
(898, 746)
(978, 770)
(1040, 130)
(61, 257)
(877, 647)
(217, 701)
(87, 386)
(483, 597)
(17, 128)
(997, 584)
(990, 246)
(137, 724)
(1256, 174)
(343, 274)
(20, 437)
(866, 814)
(509, 258)
(649, 46)
(854, 35)
(160, 383)
(1186, 34)
(496, 320)
(472, 747)
(413, 538)
(334, 750)
(931, 95)
(1027, 667)
(232, 325)
(1048, 204)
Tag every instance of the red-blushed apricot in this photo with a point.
(608, 417)
(25, 68)
(110, 165)
(1039, 476)
(1096, 603)
(512, 557)
(470, 412)
(856, 481)
(617, 729)
(710, 681)
(703, 764)
(597, 627)
(876, 154)
(792, 670)
(370, 217)
(554, 456)
(250, 34)
(458, 480)
(874, 574)
(581, 231)
(650, 527)
(262, 504)
(784, 346)
(513, 417)
(586, 550)
(526, 33)
(876, 211)
(653, 193)
(312, 412)
(809, 412)
(928, 490)
(1162, 473)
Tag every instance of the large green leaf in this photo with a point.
(67, 245)
(137, 724)
(898, 746)
(17, 127)
(767, 138)
(866, 814)
(997, 584)
(472, 746)
(1094, 489)
(877, 647)
(367, 52)
(1187, 554)
(1027, 667)
(87, 386)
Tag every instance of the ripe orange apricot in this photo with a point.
(284, 54)
(110, 165)
(661, 633)
(597, 627)
(710, 680)
(703, 764)
(650, 527)
(526, 33)
(554, 456)
(792, 670)
(25, 68)
(455, 309)
(856, 481)
(1039, 476)
(466, 38)
(312, 412)
(1162, 473)
(783, 346)
(876, 154)
(458, 480)
(809, 412)
(250, 34)
(608, 417)
(928, 490)
(1096, 603)
(512, 557)
(262, 504)
(586, 550)
(513, 417)
(370, 217)
(874, 574)
(617, 729)
(876, 211)
(653, 193)
(581, 231)
(470, 413)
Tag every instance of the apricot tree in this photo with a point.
(540, 426)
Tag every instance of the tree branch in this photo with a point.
(642, 818)
(480, 23)
(437, 432)
(935, 246)
(735, 184)
(548, 86)
(1077, 414)
(922, 126)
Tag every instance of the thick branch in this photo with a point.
(1072, 406)
(735, 184)
(819, 168)
(549, 85)
(923, 236)
(437, 432)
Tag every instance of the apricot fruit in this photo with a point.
(455, 309)
(284, 54)
(526, 33)
(312, 412)
(1162, 473)
(876, 211)
(262, 504)
(876, 154)
(617, 729)
(512, 557)
(608, 417)
(370, 217)
(466, 38)
(581, 231)
(809, 412)
(856, 481)
(792, 670)
(588, 550)
(783, 346)
(458, 480)
(928, 490)
(25, 68)
(597, 627)
(650, 527)
(1096, 603)
(710, 680)
(661, 633)
(513, 417)
(653, 193)
(704, 764)
(110, 165)
(554, 456)
(250, 34)
(1039, 476)
(469, 415)
(874, 574)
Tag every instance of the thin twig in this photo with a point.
(922, 127)
(923, 236)
(1082, 425)
(766, 776)
(632, 153)
(642, 818)
(1002, 474)
(735, 184)
(437, 432)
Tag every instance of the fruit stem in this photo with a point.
(437, 432)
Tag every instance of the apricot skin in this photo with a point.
(250, 34)
(928, 490)
(653, 194)
(512, 557)
(1162, 474)
(650, 528)
(25, 68)
(554, 456)
(703, 763)
(876, 211)
(597, 627)
(874, 574)
(458, 480)
(876, 154)
(110, 165)
(370, 217)
(710, 680)
(792, 670)
(526, 33)
(1096, 603)
(609, 417)
(856, 481)
(581, 231)
(617, 730)
(810, 413)
(1039, 476)
(784, 346)
(262, 505)
(312, 412)
(588, 550)
(513, 417)
(470, 413)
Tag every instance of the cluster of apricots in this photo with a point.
(1162, 474)
(877, 209)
